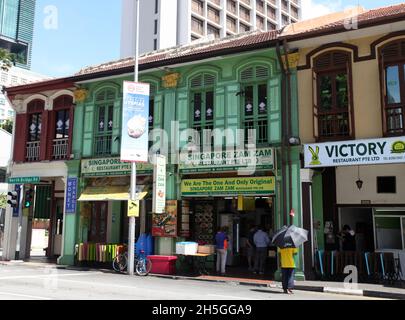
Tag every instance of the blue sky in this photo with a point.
(87, 32)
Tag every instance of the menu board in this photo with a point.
(204, 222)
(165, 224)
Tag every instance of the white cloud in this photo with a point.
(316, 8)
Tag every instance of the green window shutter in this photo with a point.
(183, 114)
(88, 130)
(232, 114)
(274, 115)
(219, 122)
(157, 116)
(116, 132)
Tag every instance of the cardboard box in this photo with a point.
(209, 249)
(186, 247)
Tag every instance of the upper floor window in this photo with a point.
(392, 61)
(62, 107)
(104, 122)
(255, 104)
(332, 87)
(202, 106)
(34, 110)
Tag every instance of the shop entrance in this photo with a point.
(360, 220)
(211, 214)
(98, 222)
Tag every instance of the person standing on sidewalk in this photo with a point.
(251, 247)
(262, 241)
(221, 241)
(287, 268)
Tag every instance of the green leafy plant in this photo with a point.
(3, 201)
(6, 59)
(7, 125)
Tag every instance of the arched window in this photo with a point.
(332, 88)
(104, 103)
(62, 126)
(392, 60)
(255, 105)
(203, 106)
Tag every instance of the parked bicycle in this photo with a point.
(142, 263)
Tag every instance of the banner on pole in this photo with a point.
(159, 184)
(135, 124)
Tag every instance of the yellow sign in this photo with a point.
(170, 80)
(228, 186)
(133, 208)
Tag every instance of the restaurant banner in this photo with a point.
(112, 167)
(228, 186)
(159, 184)
(135, 123)
(221, 161)
(165, 224)
(354, 153)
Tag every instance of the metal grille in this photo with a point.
(331, 125)
(60, 149)
(33, 149)
(103, 145)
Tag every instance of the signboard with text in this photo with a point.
(23, 180)
(135, 122)
(71, 196)
(112, 167)
(261, 159)
(354, 153)
(159, 184)
(228, 186)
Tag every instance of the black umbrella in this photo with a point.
(290, 237)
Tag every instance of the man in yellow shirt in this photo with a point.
(287, 268)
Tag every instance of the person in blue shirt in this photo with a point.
(221, 241)
(262, 241)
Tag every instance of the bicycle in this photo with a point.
(143, 264)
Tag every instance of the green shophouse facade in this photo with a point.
(237, 91)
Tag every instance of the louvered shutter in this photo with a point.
(315, 104)
(20, 140)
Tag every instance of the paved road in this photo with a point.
(19, 282)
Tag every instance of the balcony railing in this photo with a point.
(334, 125)
(60, 149)
(102, 145)
(32, 151)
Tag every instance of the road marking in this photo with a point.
(232, 297)
(24, 296)
(55, 275)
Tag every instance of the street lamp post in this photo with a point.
(131, 240)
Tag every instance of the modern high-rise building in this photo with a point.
(17, 29)
(168, 23)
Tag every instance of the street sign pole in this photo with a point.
(132, 222)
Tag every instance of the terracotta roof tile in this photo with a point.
(194, 50)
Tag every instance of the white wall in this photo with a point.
(5, 143)
(348, 193)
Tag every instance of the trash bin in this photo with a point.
(163, 264)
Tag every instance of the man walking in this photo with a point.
(262, 241)
(221, 241)
(288, 268)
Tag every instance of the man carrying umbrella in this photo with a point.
(288, 239)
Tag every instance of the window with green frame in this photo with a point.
(104, 102)
(202, 106)
(255, 103)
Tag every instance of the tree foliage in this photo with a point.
(7, 125)
(6, 59)
(3, 201)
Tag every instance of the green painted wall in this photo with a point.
(317, 207)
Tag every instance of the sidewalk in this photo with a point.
(363, 289)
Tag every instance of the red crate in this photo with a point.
(163, 264)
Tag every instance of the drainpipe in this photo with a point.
(284, 134)
(289, 123)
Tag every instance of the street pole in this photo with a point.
(132, 222)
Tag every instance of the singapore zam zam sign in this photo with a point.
(356, 152)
